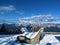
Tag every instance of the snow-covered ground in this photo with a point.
(48, 39)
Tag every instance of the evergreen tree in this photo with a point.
(3, 29)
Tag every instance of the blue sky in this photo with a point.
(16, 10)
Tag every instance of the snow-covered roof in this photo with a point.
(29, 34)
(42, 28)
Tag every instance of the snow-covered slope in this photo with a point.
(11, 40)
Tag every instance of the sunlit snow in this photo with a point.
(11, 40)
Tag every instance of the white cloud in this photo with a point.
(39, 18)
(7, 8)
(19, 12)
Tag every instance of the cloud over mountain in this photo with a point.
(39, 18)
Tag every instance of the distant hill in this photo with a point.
(16, 28)
(52, 28)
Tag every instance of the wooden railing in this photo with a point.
(50, 32)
